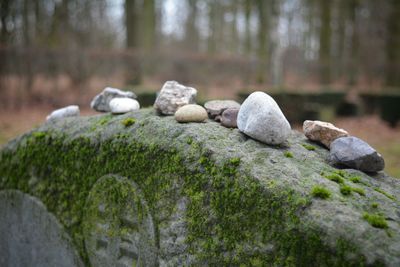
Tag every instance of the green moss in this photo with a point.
(320, 192)
(335, 178)
(288, 154)
(355, 179)
(308, 147)
(376, 220)
(385, 193)
(374, 205)
(128, 122)
(235, 161)
(358, 190)
(39, 134)
(345, 190)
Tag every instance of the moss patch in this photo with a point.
(128, 122)
(375, 220)
(320, 192)
(288, 154)
(308, 147)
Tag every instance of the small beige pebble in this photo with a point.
(191, 113)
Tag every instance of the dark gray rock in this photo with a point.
(101, 102)
(173, 96)
(216, 107)
(355, 153)
(229, 117)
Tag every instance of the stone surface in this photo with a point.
(134, 239)
(191, 113)
(261, 118)
(322, 132)
(216, 198)
(173, 96)
(216, 107)
(354, 153)
(30, 235)
(229, 117)
(101, 102)
(69, 111)
(123, 105)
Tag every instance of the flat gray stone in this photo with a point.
(101, 102)
(261, 118)
(123, 105)
(173, 96)
(30, 235)
(69, 111)
(355, 153)
(229, 117)
(216, 107)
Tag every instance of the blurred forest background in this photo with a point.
(337, 60)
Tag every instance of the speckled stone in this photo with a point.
(322, 132)
(173, 96)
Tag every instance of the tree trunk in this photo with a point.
(393, 46)
(131, 24)
(325, 42)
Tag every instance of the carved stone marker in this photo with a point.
(119, 229)
(30, 235)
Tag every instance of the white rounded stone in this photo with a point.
(261, 118)
(123, 105)
(69, 111)
(191, 113)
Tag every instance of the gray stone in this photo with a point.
(123, 105)
(229, 117)
(261, 118)
(101, 102)
(216, 107)
(204, 183)
(122, 235)
(69, 111)
(355, 153)
(173, 96)
(30, 235)
(191, 113)
(322, 132)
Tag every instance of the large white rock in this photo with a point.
(261, 118)
(123, 105)
(101, 102)
(69, 111)
(173, 96)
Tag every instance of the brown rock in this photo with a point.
(216, 107)
(191, 113)
(323, 132)
(229, 117)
